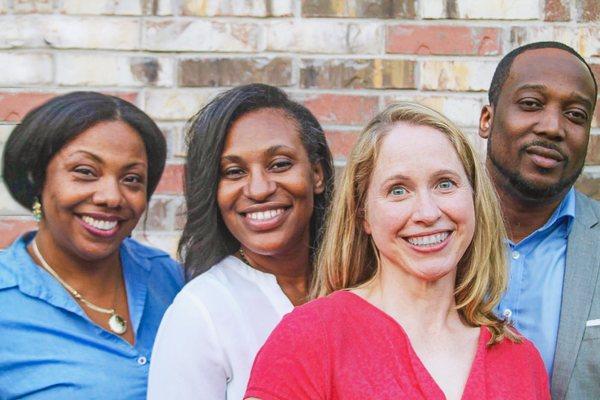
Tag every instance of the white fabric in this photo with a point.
(209, 336)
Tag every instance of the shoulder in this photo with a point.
(584, 202)
(523, 353)
(13, 261)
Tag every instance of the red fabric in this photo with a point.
(342, 347)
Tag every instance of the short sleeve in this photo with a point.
(294, 361)
(187, 360)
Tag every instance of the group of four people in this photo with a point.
(405, 263)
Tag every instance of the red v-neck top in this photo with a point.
(342, 347)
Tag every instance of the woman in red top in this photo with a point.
(412, 266)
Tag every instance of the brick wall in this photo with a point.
(344, 59)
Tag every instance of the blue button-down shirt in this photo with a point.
(537, 269)
(50, 349)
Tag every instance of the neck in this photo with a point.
(291, 269)
(419, 306)
(92, 278)
(522, 215)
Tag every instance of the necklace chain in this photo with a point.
(244, 259)
(116, 323)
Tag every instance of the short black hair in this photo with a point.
(205, 239)
(47, 128)
(503, 68)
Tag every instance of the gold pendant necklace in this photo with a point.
(116, 323)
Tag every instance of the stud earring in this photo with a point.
(36, 209)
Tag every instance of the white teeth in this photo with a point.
(429, 240)
(99, 224)
(262, 215)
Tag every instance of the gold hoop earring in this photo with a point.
(36, 209)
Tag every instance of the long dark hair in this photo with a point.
(47, 128)
(206, 240)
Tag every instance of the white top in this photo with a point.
(209, 336)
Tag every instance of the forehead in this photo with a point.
(262, 129)
(553, 68)
(415, 149)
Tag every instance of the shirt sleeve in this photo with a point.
(294, 361)
(187, 359)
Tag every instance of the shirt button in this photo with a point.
(142, 360)
(515, 255)
(507, 313)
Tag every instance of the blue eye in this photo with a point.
(398, 191)
(445, 185)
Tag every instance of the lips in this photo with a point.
(430, 242)
(104, 226)
(544, 157)
(264, 217)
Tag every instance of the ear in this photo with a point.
(318, 178)
(485, 121)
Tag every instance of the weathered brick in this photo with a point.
(457, 75)
(357, 73)
(443, 40)
(162, 213)
(168, 34)
(255, 8)
(341, 142)
(323, 36)
(11, 228)
(587, 10)
(359, 8)
(589, 184)
(166, 241)
(14, 106)
(557, 10)
(20, 31)
(8, 206)
(5, 130)
(593, 154)
(113, 70)
(102, 7)
(32, 6)
(25, 69)
(160, 7)
(234, 71)
(3, 6)
(476, 9)
(114, 33)
(170, 105)
(172, 180)
(336, 109)
(463, 111)
(584, 39)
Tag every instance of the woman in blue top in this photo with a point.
(80, 302)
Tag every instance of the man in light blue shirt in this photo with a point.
(542, 99)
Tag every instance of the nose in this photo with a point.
(108, 193)
(259, 185)
(550, 124)
(426, 210)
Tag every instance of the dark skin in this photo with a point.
(98, 177)
(538, 134)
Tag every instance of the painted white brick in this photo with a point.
(164, 7)
(102, 7)
(173, 105)
(200, 35)
(21, 31)
(115, 33)
(324, 36)
(478, 9)
(25, 69)
(32, 6)
(253, 8)
(586, 40)
(457, 75)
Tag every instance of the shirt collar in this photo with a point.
(564, 212)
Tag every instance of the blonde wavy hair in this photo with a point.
(348, 257)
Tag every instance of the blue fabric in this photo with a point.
(49, 348)
(537, 269)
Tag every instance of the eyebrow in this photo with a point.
(578, 97)
(100, 161)
(271, 151)
(402, 177)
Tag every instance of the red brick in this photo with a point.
(341, 143)
(588, 10)
(342, 109)
(557, 10)
(14, 106)
(444, 40)
(172, 180)
(11, 228)
(593, 154)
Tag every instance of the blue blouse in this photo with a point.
(50, 349)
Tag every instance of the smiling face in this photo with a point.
(95, 191)
(419, 206)
(267, 185)
(539, 129)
